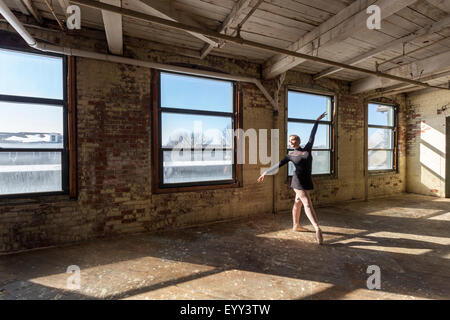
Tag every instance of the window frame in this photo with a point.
(394, 138)
(331, 123)
(157, 158)
(68, 165)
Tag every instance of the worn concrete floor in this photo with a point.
(407, 236)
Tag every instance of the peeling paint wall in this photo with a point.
(114, 152)
(385, 184)
(426, 141)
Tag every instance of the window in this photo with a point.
(33, 152)
(303, 110)
(381, 137)
(195, 131)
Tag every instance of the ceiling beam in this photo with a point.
(53, 12)
(164, 9)
(113, 28)
(338, 28)
(22, 8)
(416, 70)
(402, 88)
(239, 40)
(32, 9)
(64, 4)
(425, 31)
(231, 21)
(441, 4)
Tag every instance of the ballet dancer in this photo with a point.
(301, 180)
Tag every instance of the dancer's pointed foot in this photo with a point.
(299, 229)
(319, 236)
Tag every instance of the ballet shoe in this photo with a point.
(319, 237)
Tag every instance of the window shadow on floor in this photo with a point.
(412, 253)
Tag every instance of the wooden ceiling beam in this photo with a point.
(416, 70)
(338, 28)
(164, 9)
(113, 28)
(32, 9)
(425, 31)
(231, 21)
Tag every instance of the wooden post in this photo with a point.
(447, 157)
(72, 124)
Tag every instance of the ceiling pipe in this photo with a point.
(241, 41)
(17, 25)
(151, 65)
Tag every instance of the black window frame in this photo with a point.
(44, 101)
(233, 115)
(330, 123)
(394, 138)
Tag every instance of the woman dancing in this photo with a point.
(301, 180)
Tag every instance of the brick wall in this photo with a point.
(380, 185)
(426, 141)
(349, 181)
(114, 170)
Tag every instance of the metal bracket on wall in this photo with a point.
(266, 94)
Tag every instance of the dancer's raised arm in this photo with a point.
(310, 143)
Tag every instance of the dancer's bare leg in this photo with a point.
(310, 213)
(296, 210)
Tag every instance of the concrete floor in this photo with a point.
(407, 236)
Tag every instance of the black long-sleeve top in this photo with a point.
(302, 160)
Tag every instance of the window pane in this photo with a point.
(320, 163)
(308, 106)
(24, 172)
(303, 130)
(291, 169)
(30, 126)
(380, 160)
(188, 92)
(380, 138)
(31, 75)
(197, 166)
(185, 130)
(381, 115)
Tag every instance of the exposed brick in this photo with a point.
(114, 171)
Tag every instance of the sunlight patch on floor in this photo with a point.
(404, 212)
(415, 237)
(441, 217)
(238, 284)
(117, 278)
(400, 250)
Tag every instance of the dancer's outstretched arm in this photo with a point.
(310, 143)
(274, 168)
